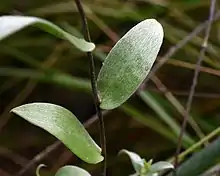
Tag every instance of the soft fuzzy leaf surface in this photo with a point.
(160, 166)
(136, 160)
(71, 171)
(128, 63)
(61, 123)
(12, 24)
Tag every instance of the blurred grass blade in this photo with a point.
(152, 123)
(71, 171)
(61, 123)
(126, 10)
(149, 99)
(128, 63)
(200, 161)
(197, 145)
(58, 78)
(12, 24)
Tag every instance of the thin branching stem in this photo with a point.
(86, 34)
(39, 157)
(178, 46)
(195, 79)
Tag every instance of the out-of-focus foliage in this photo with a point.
(35, 66)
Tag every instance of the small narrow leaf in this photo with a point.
(128, 63)
(61, 123)
(71, 171)
(160, 166)
(12, 24)
(136, 160)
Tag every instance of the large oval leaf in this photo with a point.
(128, 63)
(12, 24)
(71, 171)
(61, 123)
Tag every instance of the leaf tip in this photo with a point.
(16, 110)
(92, 46)
(38, 169)
(88, 46)
(13, 110)
(108, 106)
(101, 158)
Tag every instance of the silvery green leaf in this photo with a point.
(160, 166)
(128, 63)
(12, 24)
(61, 123)
(150, 174)
(136, 160)
(72, 171)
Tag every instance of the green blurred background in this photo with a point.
(36, 67)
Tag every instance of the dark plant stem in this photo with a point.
(195, 79)
(94, 83)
